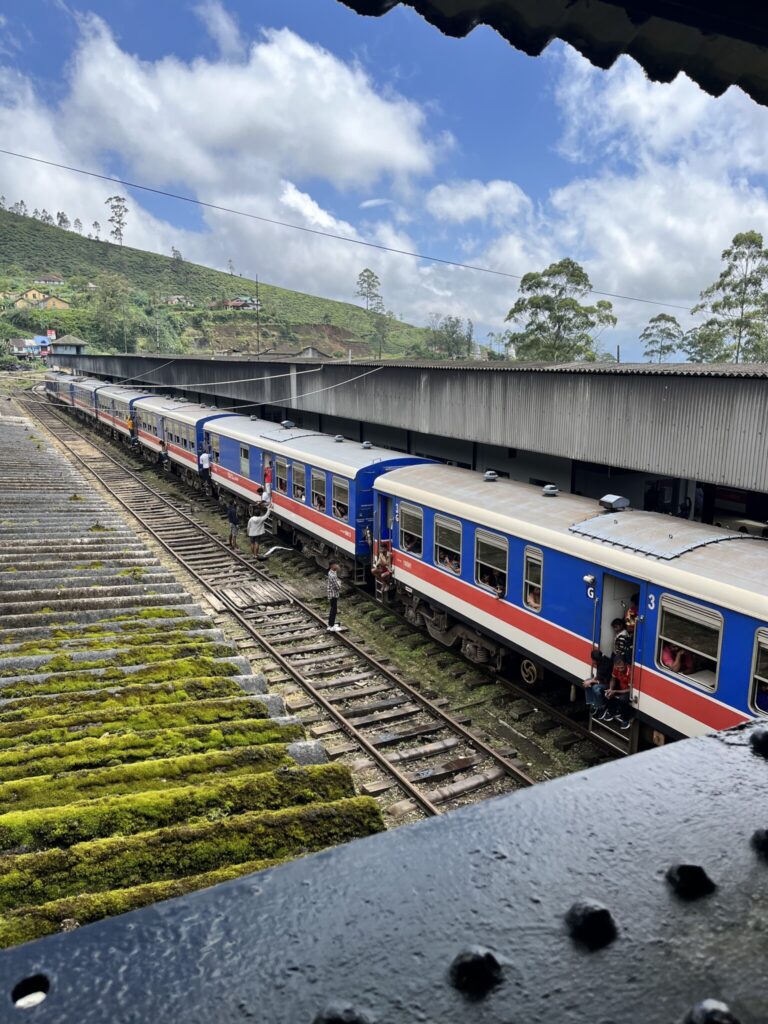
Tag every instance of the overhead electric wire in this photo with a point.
(212, 383)
(291, 398)
(318, 231)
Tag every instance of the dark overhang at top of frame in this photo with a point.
(715, 44)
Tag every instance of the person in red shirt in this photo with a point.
(617, 696)
(268, 481)
(677, 660)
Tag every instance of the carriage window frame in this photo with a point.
(301, 469)
(281, 475)
(497, 541)
(418, 513)
(761, 640)
(535, 556)
(446, 522)
(343, 484)
(214, 442)
(319, 474)
(696, 613)
(245, 460)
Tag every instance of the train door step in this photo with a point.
(608, 732)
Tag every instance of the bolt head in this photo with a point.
(710, 1011)
(341, 1013)
(591, 924)
(690, 881)
(758, 740)
(760, 842)
(475, 972)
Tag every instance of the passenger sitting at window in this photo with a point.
(493, 580)
(340, 511)
(298, 493)
(411, 543)
(319, 502)
(617, 696)
(677, 659)
(598, 682)
(534, 598)
(761, 697)
(450, 562)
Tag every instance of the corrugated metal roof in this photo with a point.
(622, 369)
(715, 44)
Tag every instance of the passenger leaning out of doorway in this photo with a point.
(631, 614)
(268, 481)
(617, 696)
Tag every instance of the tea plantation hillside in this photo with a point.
(29, 248)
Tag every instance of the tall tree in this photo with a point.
(118, 215)
(231, 266)
(662, 336)
(707, 343)
(368, 286)
(382, 328)
(62, 220)
(737, 300)
(3, 203)
(36, 214)
(45, 217)
(78, 226)
(555, 326)
(450, 337)
(96, 228)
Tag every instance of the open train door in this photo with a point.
(620, 598)
(382, 561)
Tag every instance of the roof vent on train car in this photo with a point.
(339, 438)
(614, 502)
(287, 424)
(253, 417)
(490, 475)
(366, 445)
(550, 490)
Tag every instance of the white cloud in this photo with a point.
(222, 28)
(461, 201)
(371, 204)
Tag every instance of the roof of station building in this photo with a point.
(715, 561)
(179, 409)
(603, 368)
(715, 44)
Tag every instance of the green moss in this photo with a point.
(140, 812)
(68, 682)
(103, 864)
(141, 776)
(149, 613)
(28, 923)
(106, 641)
(75, 497)
(23, 762)
(135, 572)
(97, 528)
(61, 728)
(89, 565)
(116, 698)
(154, 654)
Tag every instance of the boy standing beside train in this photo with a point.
(333, 589)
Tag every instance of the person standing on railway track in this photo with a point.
(205, 466)
(256, 527)
(333, 589)
(234, 525)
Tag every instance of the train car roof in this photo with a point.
(717, 565)
(319, 450)
(91, 383)
(181, 410)
(118, 391)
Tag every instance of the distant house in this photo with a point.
(234, 304)
(29, 298)
(49, 279)
(176, 300)
(53, 302)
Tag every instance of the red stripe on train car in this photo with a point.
(175, 450)
(677, 695)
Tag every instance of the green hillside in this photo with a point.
(134, 284)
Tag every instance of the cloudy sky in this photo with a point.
(380, 129)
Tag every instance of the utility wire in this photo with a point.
(317, 231)
(212, 383)
(290, 398)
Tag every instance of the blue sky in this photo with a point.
(379, 128)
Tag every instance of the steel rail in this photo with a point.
(447, 720)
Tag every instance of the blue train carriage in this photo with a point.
(58, 387)
(322, 487)
(115, 406)
(499, 566)
(82, 396)
(180, 425)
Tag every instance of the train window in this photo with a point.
(758, 699)
(340, 496)
(281, 476)
(299, 482)
(491, 562)
(533, 573)
(318, 490)
(688, 641)
(215, 444)
(244, 460)
(448, 544)
(411, 529)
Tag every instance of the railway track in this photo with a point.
(416, 757)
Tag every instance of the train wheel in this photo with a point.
(530, 672)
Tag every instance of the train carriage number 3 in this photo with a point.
(651, 602)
